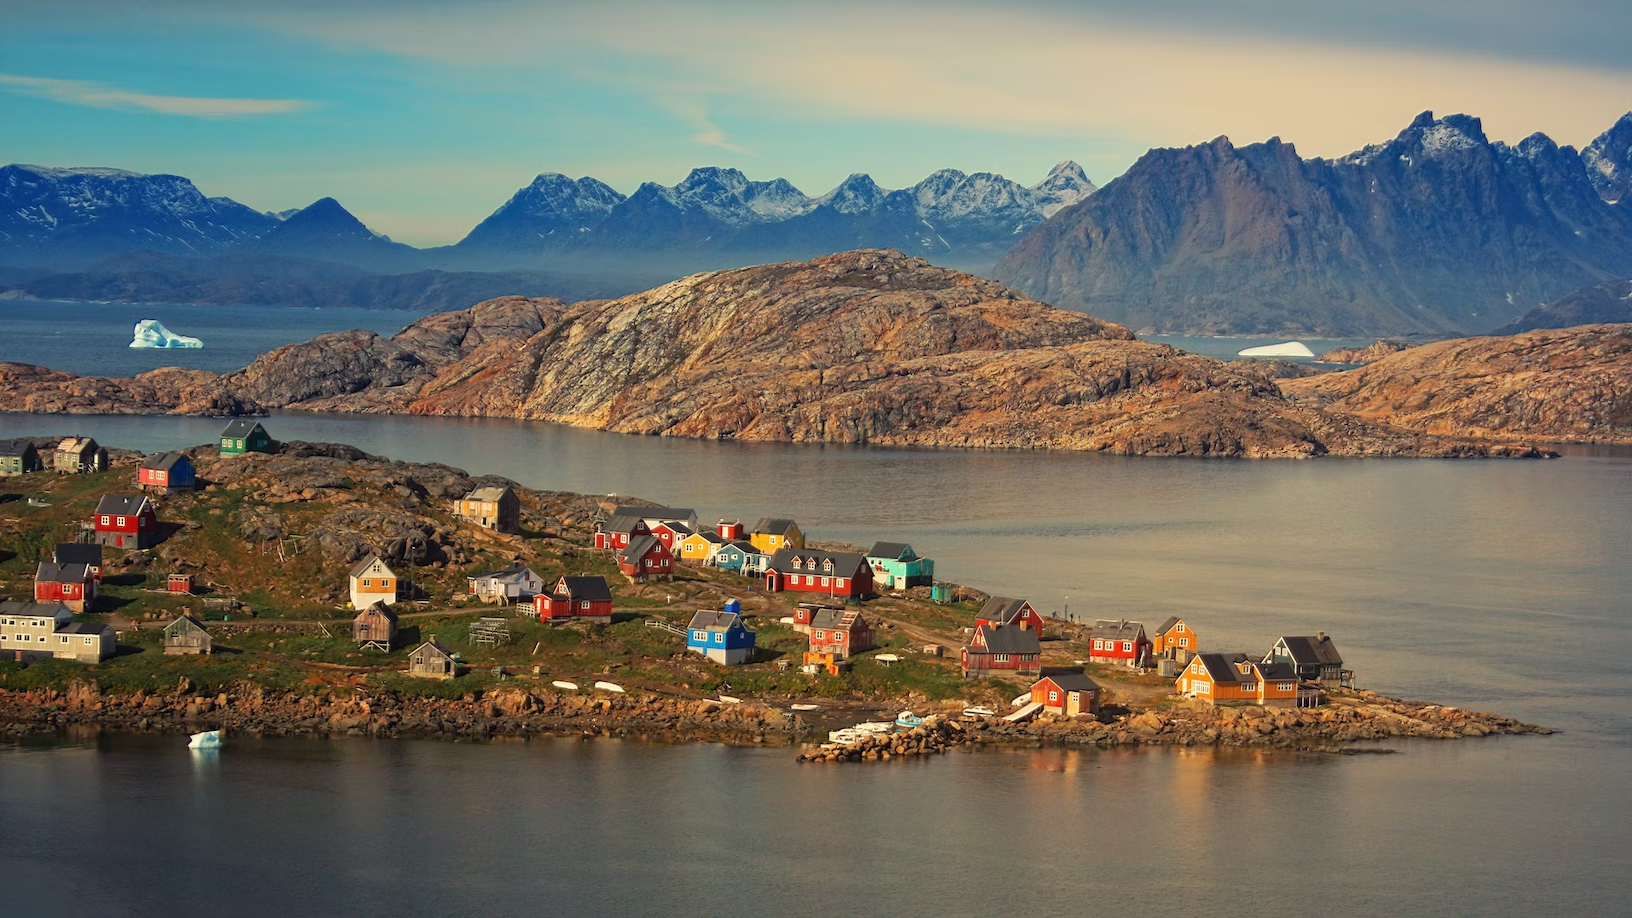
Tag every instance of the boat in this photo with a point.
(730, 699)
(209, 739)
(569, 686)
(1021, 701)
(908, 719)
(846, 736)
(979, 712)
(875, 726)
(609, 687)
(805, 707)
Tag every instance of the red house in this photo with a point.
(840, 632)
(619, 531)
(1119, 641)
(166, 472)
(126, 522)
(70, 584)
(645, 558)
(671, 533)
(806, 612)
(836, 573)
(1000, 610)
(89, 555)
(582, 598)
(1002, 650)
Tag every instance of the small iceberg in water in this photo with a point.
(1289, 349)
(209, 739)
(152, 333)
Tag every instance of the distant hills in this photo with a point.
(1595, 305)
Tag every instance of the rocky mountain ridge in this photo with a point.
(1596, 305)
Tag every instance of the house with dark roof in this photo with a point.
(515, 582)
(375, 627)
(1002, 650)
(1119, 641)
(371, 581)
(19, 457)
(721, 636)
(896, 566)
(86, 553)
(770, 535)
(186, 635)
(838, 634)
(576, 598)
(1216, 678)
(1001, 610)
(1175, 640)
(740, 556)
(699, 547)
(431, 660)
(242, 435)
(627, 521)
(41, 630)
(619, 530)
(807, 570)
(1314, 657)
(75, 455)
(123, 521)
(645, 558)
(70, 584)
(166, 472)
(495, 507)
(1067, 694)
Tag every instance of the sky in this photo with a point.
(423, 117)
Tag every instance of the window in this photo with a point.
(719, 637)
(843, 585)
(821, 635)
(584, 604)
(1053, 695)
(1202, 688)
(90, 641)
(699, 635)
(1184, 642)
(104, 519)
(826, 581)
(63, 639)
(1179, 627)
(26, 637)
(121, 522)
(1098, 645)
(1127, 646)
(1001, 658)
(367, 582)
(1249, 686)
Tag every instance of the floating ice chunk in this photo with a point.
(152, 333)
(1289, 349)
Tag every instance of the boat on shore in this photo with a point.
(609, 687)
(730, 699)
(562, 684)
(805, 707)
(209, 739)
(978, 712)
(845, 737)
(875, 726)
(908, 719)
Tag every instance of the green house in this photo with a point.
(18, 457)
(244, 436)
(896, 566)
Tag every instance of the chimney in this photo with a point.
(1320, 636)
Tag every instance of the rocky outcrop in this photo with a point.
(1572, 384)
(169, 390)
(1371, 353)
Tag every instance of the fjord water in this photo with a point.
(1497, 585)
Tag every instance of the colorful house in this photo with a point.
(721, 636)
(371, 581)
(166, 472)
(73, 585)
(1119, 641)
(1314, 657)
(835, 636)
(896, 566)
(1221, 677)
(36, 630)
(836, 573)
(671, 533)
(1175, 640)
(126, 522)
(805, 613)
(186, 636)
(80, 454)
(1002, 650)
(375, 627)
(742, 558)
(1067, 694)
(515, 582)
(699, 547)
(651, 516)
(495, 508)
(616, 533)
(772, 535)
(245, 436)
(88, 554)
(19, 457)
(582, 598)
(431, 660)
(645, 558)
(1000, 610)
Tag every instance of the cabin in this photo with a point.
(1000, 650)
(19, 457)
(721, 636)
(495, 508)
(245, 436)
(1175, 640)
(1067, 694)
(741, 557)
(431, 660)
(126, 522)
(772, 535)
(836, 573)
(582, 598)
(77, 455)
(699, 547)
(70, 584)
(616, 533)
(179, 583)
(835, 635)
(36, 630)
(166, 473)
(896, 566)
(1314, 657)
(88, 554)
(85, 642)
(806, 612)
(1000, 610)
(1233, 677)
(1120, 642)
(375, 628)
(186, 635)
(671, 533)
(514, 582)
(730, 530)
(371, 581)
(645, 558)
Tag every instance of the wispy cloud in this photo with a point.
(707, 132)
(95, 95)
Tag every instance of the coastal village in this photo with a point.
(198, 568)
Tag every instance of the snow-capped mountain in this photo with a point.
(1065, 185)
(554, 207)
(1609, 160)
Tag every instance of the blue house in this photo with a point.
(742, 558)
(720, 636)
(896, 566)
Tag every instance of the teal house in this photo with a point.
(741, 557)
(243, 436)
(896, 566)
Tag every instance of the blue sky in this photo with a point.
(422, 117)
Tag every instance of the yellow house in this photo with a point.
(770, 536)
(1176, 640)
(372, 582)
(698, 547)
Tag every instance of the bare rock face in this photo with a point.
(168, 390)
(1371, 353)
(1571, 384)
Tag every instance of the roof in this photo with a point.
(713, 621)
(1001, 609)
(1277, 672)
(490, 494)
(1010, 639)
(378, 606)
(845, 563)
(638, 547)
(1312, 650)
(16, 447)
(623, 522)
(185, 618)
(241, 427)
(77, 553)
(895, 551)
(436, 646)
(587, 587)
(53, 572)
(774, 526)
(741, 545)
(1222, 667)
(165, 461)
(361, 566)
(1167, 625)
(707, 535)
(835, 619)
(121, 505)
(85, 628)
(35, 609)
(515, 570)
(675, 526)
(1073, 682)
(1118, 629)
(76, 444)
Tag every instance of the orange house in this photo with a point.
(1176, 640)
(1217, 678)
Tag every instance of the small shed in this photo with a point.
(179, 583)
(375, 627)
(244, 436)
(166, 472)
(431, 660)
(19, 457)
(186, 635)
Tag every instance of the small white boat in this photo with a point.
(730, 699)
(979, 712)
(609, 687)
(209, 739)
(887, 658)
(846, 736)
(1021, 701)
(569, 686)
(805, 707)
(875, 726)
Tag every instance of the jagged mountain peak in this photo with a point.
(1609, 160)
(1065, 184)
(858, 193)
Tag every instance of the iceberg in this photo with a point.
(152, 333)
(1289, 349)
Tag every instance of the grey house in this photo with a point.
(1315, 658)
(186, 635)
(431, 660)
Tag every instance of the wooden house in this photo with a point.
(721, 636)
(1067, 694)
(1001, 650)
(179, 583)
(835, 573)
(805, 613)
(19, 457)
(245, 436)
(616, 533)
(581, 598)
(41, 630)
(1314, 657)
(495, 508)
(126, 522)
(1119, 641)
(896, 566)
(75, 455)
(165, 473)
(431, 660)
(699, 547)
(730, 530)
(70, 584)
(835, 636)
(1175, 640)
(375, 627)
(85, 642)
(515, 582)
(741, 557)
(1223, 677)
(1000, 610)
(186, 635)
(671, 533)
(645, 558)
(772, 535)
(371, 581)
(86, 553)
